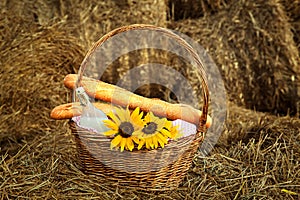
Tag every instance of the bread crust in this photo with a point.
(117, 96)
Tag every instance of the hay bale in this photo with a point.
(253, 46)
(293, 12)
(184, 9)
(92, 18)
(241, 124)
(99, 17)
(34, 61)
(41, 12)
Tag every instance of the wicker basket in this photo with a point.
(158, 169)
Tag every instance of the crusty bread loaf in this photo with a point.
(69, 110)
(121, 97)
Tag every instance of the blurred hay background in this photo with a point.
(255, 45)
(292, 9)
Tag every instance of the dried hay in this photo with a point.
(89, 20)
(33, 63)
(258, 168)
(99, 17)
(293, 12)
(37, 154)
(244, 124)
(183, 9)
(253, 45)
(43, 41)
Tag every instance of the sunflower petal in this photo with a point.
(175, 133)
(127, 114)
(147, 143)
(123, 144)
(162, 144)
(160, 124)
(135, 114)
(111, 113)
(154, 140)
(136, 118)
(150, 140)
(121, 114)
(110, 132)
(114, 117)
(166, 132)
(137, 133)
(152, 117)
(168, 125)
(162, 138)
(147, 118)
(116, 141)
(141, 115)
(110, 124)
(141, 144)
(156, 119)
(130, 144)
(135, 139)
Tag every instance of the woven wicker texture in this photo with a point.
(158, 169)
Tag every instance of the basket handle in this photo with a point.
(181, 41)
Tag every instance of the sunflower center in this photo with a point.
(126, 129)
(150, 128)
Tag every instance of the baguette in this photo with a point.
(69, 110)
(119, 96)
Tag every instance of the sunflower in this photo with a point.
(175, 132)
(122, 126)
(155, 132)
